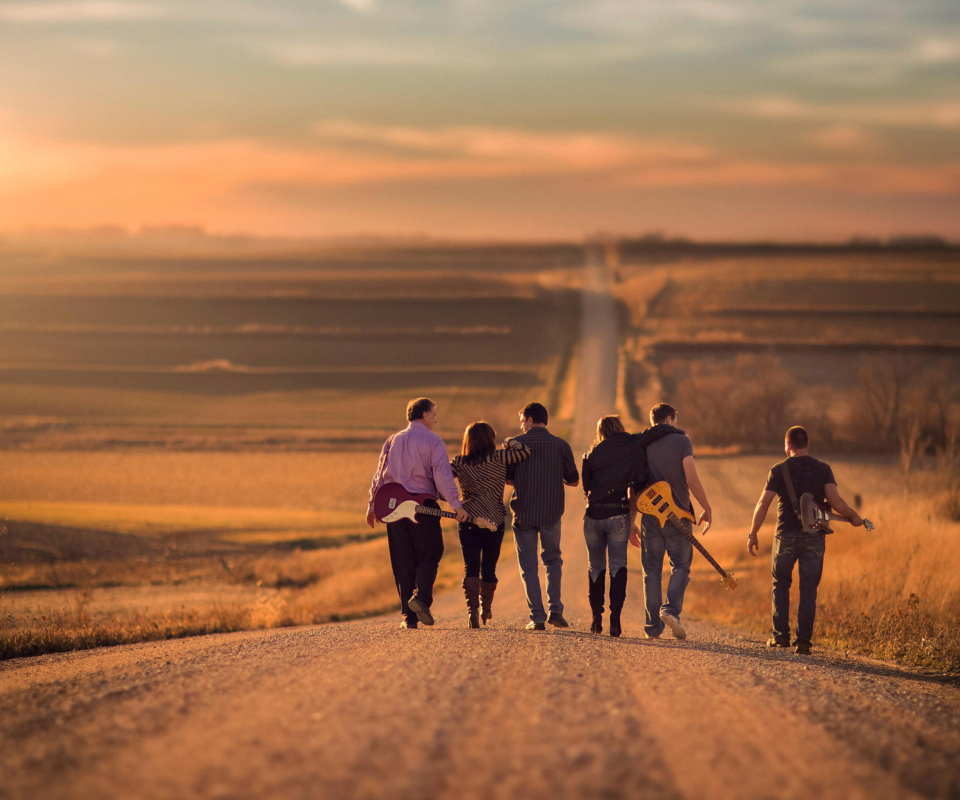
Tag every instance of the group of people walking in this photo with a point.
(538, 465)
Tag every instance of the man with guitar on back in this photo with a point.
(799, 474)
(669, 458)
(417, 459)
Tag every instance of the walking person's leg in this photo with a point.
(652, 549)
(553, 563)
(617, 537)
(428, 544)
(471, 545)
(403, 561)
(490, 555)
(527, 543)
(680, 555)
(810, 566)
(783, 557)
(596, 571)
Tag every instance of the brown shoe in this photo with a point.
(487, 591)
(557, 620)
(418, 607)
(775, 642)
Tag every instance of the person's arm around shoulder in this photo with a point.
(838, 504)
(378, 481)
(443, 477)
(514, 452)
(698, 492)
(571, 476)
(759, 515)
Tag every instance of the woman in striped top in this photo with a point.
(481, 470)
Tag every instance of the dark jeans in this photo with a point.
(807, 552)
(481, 551)
(415, 552)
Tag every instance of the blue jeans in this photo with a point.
(654, 543)
(807, 552)
(605, 535)
(549, 546)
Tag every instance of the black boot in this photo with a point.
(471, 591)
(618, 593)
(597, 591)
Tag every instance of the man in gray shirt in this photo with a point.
(669, 458)
(537, 506)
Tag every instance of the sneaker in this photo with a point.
(803, 648)
(409, 624)
(775, 642)
(557, 620)
(536, 626)
(418, 607)
(673, 623)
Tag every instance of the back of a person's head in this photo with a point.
(536, 413)
(661, 412)
(797, 438)
(417, 408)
(479, 441)
(608, 426)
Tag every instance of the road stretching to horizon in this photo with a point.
(366, 710)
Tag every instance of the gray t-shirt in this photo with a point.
(665, 462)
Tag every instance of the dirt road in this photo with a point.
(366, 710)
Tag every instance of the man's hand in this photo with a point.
(462, 516)
(753, 544)
(635, 536)
(706, 517)
(856, 520)
(371, 519)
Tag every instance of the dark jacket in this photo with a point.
(608, 470)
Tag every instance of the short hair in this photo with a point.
(417, 408)
(536, 412)
(661, 412)
(479, 441)
(797, 438)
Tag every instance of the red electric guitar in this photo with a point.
(393, 502)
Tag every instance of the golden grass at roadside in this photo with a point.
(890, 593)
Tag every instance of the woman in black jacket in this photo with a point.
(614, 466)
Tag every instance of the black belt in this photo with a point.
(623, 506)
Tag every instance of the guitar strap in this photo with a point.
(792, 492)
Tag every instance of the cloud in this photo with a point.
(844, 138)
(907, 114)
(82, 11)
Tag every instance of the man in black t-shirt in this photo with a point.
(791, 545)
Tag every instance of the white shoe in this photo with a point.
(673, 623)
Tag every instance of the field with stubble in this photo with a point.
(188, 442)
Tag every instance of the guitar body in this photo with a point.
(815, 516)
(657, 501)
(392, 502)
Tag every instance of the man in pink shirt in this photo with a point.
(417, 459)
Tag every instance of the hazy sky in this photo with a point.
(790, 119)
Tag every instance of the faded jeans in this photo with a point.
(605, 535)
(655, 542)
(807, 552)
(549, 546)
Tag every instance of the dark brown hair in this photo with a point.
(661, 412)
(608, 426)
(797, 438)
(536, 412)
(417, 408)
(479, 442)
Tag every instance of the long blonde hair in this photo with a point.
(607, 426)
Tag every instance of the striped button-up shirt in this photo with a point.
(417, 459)
(538, 482)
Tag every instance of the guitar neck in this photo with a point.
(436, 512)
(678, 524)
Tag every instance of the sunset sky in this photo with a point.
(788, 119)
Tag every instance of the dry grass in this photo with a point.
(892, 593)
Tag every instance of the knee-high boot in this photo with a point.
(597, 591)
(618, 593)
(486, 600)
(471, 590)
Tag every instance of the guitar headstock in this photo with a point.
(868, 525)
(728, 581)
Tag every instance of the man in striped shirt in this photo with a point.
(537, 507)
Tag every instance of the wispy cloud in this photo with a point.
(82, 11)
(916, 114)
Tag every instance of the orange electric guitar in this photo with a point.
(657, 501)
